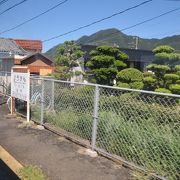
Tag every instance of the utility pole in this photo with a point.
(134, 45)
(137, 41)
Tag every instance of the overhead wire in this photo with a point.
(98, 21)
(33, 18)
(12, 7)
(138, 24)
(3, 1)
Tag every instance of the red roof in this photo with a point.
(30, 44)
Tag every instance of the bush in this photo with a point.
(172, 77)
(70, 120)
(178, 73)
(175, 88)
(140, 141)
(31, 173)
(156, 67)
(150, 83)
(163, 49)
(178, 81)
(129, 75)
(149, 79)
(123, 85)
(137, 85)
(177, 67)
(163, 90)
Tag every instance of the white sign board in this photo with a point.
(20, 85)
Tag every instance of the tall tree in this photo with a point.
(165, 55)
(165, 77)
(104, 64)
(66, 59)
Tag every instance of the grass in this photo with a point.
(31, 173)
(136, 175)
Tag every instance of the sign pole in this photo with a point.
(12, 99)
(28, 97)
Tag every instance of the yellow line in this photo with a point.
(13, 164)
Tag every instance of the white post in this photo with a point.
(28, 97)
(12, 99)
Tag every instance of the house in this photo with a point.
(38, 63)
(137, 58)
(9, 53)
(24, 53)
(30, 45)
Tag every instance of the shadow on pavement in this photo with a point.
(6, 173)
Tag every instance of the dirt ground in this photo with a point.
(57, 157)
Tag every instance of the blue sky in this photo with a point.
(76, 13)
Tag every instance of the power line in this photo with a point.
(3, 1)
(98, 21)
(12, 7)
(140, 23)
(33, 18)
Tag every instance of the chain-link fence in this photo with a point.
(141, 127)
(5, 87)
(5, 83)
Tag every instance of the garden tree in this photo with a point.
(66, 59)
(165, 55)
(130, 78)
(165, 77)
(104, 64)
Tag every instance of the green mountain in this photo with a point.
(114, 37)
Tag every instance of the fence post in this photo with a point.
(42, 101)
(5, 84)
(52, 95)
(95, 117)
(32, 87)
(6, 76)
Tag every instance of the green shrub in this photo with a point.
(178, 73)
(163, 49)
(156, 67)
(142, 141)
(129, 75)
(31, 173)
(123, 85)
(177, 67)
(149, 79)
(178, 81)
(137, 85)
(78, 123)
(172, 77)
(78, 73)
(150, 83)
(175, 88)
(163, 90)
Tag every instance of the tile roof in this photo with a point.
(30, 44)
(10, 46)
